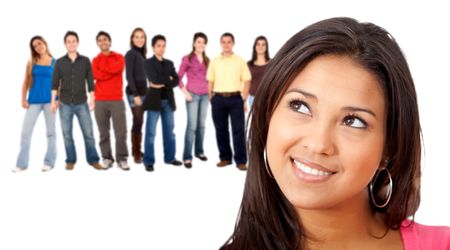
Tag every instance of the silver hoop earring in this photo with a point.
(383, 190)
(266, 164)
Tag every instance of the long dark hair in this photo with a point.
(255, 55)
(192, 54)
(143, 50)
(267, 220)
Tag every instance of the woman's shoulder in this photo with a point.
(185, 58)
(131, 53)
(419, 236)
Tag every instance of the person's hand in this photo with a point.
(188, 96)
(91, 105)
(25, 104)
(137, 101)
(54, 106)
(156, 86)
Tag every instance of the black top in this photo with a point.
(72, 78)
(134, 64)
(160, 72)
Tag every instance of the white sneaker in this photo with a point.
(17, 169)
(123, 165)
(46, 168)
(107, 163)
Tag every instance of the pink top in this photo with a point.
(196, 75)
(420, 237)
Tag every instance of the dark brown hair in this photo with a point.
(71, 33)
(227, 34)
(254, 54)
(156, 38)
(103, 33)
(267, 220)
(143, 50)
(192, 54)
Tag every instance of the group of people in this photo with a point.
(75, 86)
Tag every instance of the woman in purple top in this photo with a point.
(194, 67)
(335, 147)
(257, 65)
(37, 84)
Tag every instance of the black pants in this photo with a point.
(233, 107)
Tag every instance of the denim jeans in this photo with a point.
(195, 129)
(130, 100)
(168, 135)
(81, 111)
(31, 117)
(251, 98)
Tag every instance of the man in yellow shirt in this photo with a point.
(228, 85)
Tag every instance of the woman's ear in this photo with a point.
(384, 163)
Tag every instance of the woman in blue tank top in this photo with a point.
(37, 84)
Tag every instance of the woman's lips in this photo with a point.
(311, 172)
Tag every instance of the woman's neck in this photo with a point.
(44, 59)
(354, 226)
(260, 60)
(199, 56)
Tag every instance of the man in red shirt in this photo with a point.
(108, 67)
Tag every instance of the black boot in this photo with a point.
(136, 139)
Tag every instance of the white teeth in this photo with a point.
(310, 170)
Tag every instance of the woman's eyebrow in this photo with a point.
(306, 94)
(349, 108)
(357, 109)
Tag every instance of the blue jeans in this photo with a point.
(251, 98)
(196, 116)
(81, 111)
(31, 116)
(168, 135)
(130, 100)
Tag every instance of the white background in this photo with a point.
(176, 208)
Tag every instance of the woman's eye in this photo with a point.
(300, 107)
(354, 122)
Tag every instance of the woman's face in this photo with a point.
(39, 47)
(139, 39)
(326, 136)
(200, 45)
(261, 46)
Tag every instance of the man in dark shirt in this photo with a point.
(71, 75)
(160, 101)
